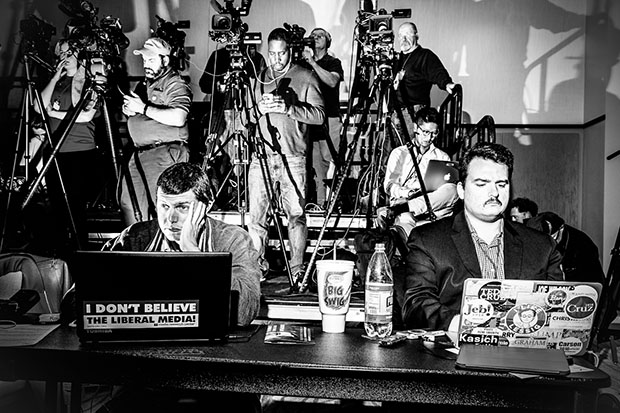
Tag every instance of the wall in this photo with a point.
(601, 195)
(520, 61)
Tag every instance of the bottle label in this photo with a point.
(337, 289)
(378, 308)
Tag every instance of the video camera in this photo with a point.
(227, 28)
(176, 39)
(36, 34)
(376, 35)
(297, 41)
(98, 43)
(226, 25)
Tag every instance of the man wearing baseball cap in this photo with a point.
(157, 123)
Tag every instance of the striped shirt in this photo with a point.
(490, 256)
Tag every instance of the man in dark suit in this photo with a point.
(476, 242)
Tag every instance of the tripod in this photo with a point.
(237, 89)
(31, 97)
(381, 84)
(93, 90)
(235, 92)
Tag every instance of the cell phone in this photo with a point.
(122, 93)
(391, 341)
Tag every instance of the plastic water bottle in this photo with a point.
(379, 295)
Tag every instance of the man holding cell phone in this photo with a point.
(157, 123)
(288, 100)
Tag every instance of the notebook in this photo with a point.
(439, 173)
(550, 362)
(152, 296)
(528, 313)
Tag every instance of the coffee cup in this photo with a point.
(334, 278)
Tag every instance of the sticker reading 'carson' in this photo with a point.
(140, 314)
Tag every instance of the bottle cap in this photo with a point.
(333, 323)
(379, 246)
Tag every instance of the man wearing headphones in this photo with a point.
(326, 137)
(415, 72)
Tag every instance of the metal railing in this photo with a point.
(451, 112)
(483, 131)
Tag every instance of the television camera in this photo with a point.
(226, 25)
(36, 34)
(228, 28)
(98, 43)
(376, 35)
(297, 41)
(176, 39)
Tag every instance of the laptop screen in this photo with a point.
(152, 296)
(440, 172)
(528, 313)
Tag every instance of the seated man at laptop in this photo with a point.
(402, 183)
(183, 199)
(477, 242)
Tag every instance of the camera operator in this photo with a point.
(416, 71)
(329, 71)
(289, 99)
(157, 125)
(77, 155)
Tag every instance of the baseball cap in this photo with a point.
(153, 47)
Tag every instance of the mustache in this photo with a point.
(492, 201)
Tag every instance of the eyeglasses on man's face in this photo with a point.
(428, 133)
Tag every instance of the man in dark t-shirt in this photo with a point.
(416, 70)
(326, 137)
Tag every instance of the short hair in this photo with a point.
(490, 151)
(279, 34)
(184, 176)
(427, 115)
(547, 222)
(525, 205)
(328, 37)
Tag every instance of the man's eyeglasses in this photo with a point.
(425, 132)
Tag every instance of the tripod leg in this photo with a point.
(86, 95)
(108, 129)
(23, 126)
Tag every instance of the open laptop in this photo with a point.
(529, 313)
(439, 173)
(152, 296)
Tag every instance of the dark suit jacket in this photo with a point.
(442, 255)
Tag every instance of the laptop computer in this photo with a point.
(529, 313)
(152, 296)
(439, 173)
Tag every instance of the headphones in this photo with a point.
(328, 37)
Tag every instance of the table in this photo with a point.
(343, 366)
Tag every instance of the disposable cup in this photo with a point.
(334, 279)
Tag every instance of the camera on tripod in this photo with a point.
(377, 37)
(297, 41)
(226, 25)
(36, 34)
(98, 43)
